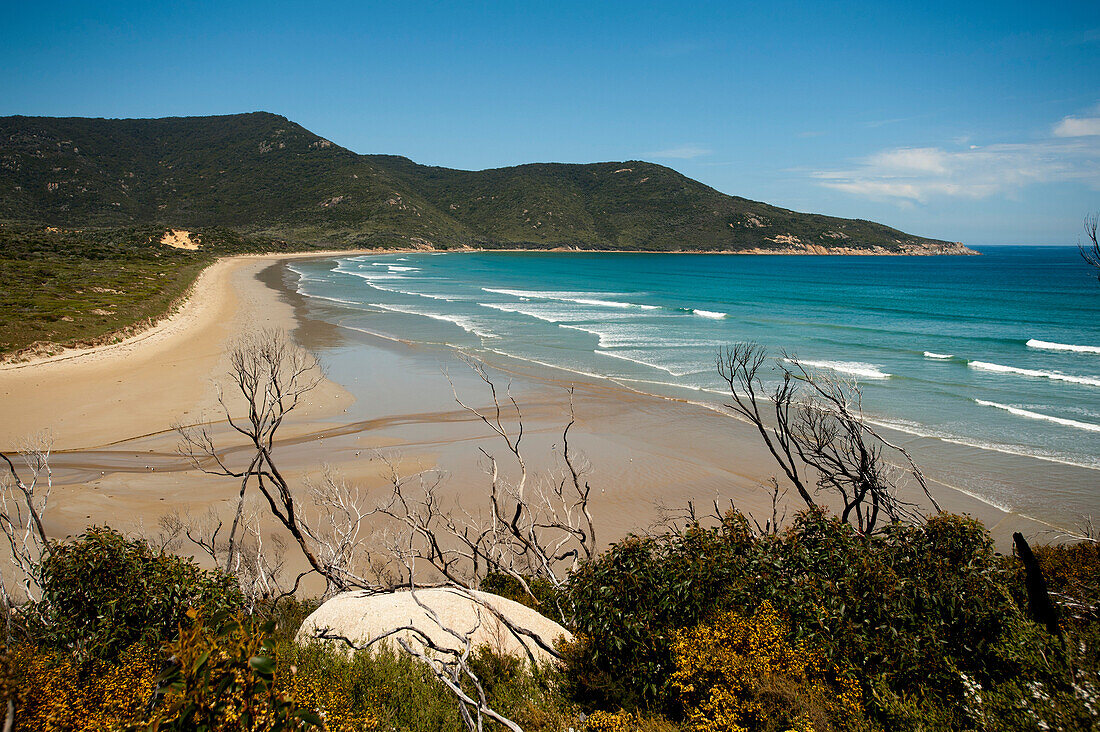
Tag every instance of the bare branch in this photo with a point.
(1090, 250)
(271, 376)
(24, 497)
(533, 529)
(817, 421)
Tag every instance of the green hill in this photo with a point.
(261, 174)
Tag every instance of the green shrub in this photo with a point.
(102, 593)
(221, 677)
(925, 612)
(545, 595)
(632, 598)
(745, 673)
(397, 691)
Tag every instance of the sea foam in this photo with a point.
(465, 323)
(1035, 373)
(1088, 426)
(939, 356)
(414, 294)
(615, 336)
(632, 357)
(580, 298)
(330, 299)
(916, 430)
(369, 276)
(1048, 346)
(852, 368)
(521, 310)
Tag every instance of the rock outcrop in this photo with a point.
(361, 615)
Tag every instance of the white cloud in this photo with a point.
(683, 152)
(1077, 127)
(920, 173)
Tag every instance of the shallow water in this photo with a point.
(991, 363)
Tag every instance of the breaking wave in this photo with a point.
(465, 323)
(624, 357)
(1048, 346)
(1035, 373)
(520, 310)
(574, 297)
(1088, 426)
(852, 368)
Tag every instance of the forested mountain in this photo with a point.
(262, 174)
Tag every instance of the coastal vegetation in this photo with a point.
(67, 287)
(704, 628)
(262, 174)
(721, 621)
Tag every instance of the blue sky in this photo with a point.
(977, 122)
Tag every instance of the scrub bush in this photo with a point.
(51, 693)
(744, 673)
(926, 613)
(103, 593)
(221, 677)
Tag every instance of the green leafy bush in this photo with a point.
(221, 677)
(396, 691)
(742, 673)
(545, 595)
(102, 593)
(631, 599)
(926, 614)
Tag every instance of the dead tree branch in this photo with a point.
(1090, 250)
(534, 529)
(816, 421)
(24, 497)
(271, 376)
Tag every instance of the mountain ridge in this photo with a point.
(262, 174)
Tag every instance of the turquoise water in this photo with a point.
(999, 352)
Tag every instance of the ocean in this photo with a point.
(997, 355)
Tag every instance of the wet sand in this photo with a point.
(117, 462)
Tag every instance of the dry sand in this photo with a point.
(111, 411)
(139, 386)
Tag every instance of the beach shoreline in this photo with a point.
(109, 393)
(115, 456)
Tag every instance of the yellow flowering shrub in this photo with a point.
(330, 695)
(52, 693)
(222, 679)
(623, 721)
(741, 674)
(222, 683)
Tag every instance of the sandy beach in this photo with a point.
(111, 411)
(99, 396)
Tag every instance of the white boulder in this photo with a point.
(362, 615)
